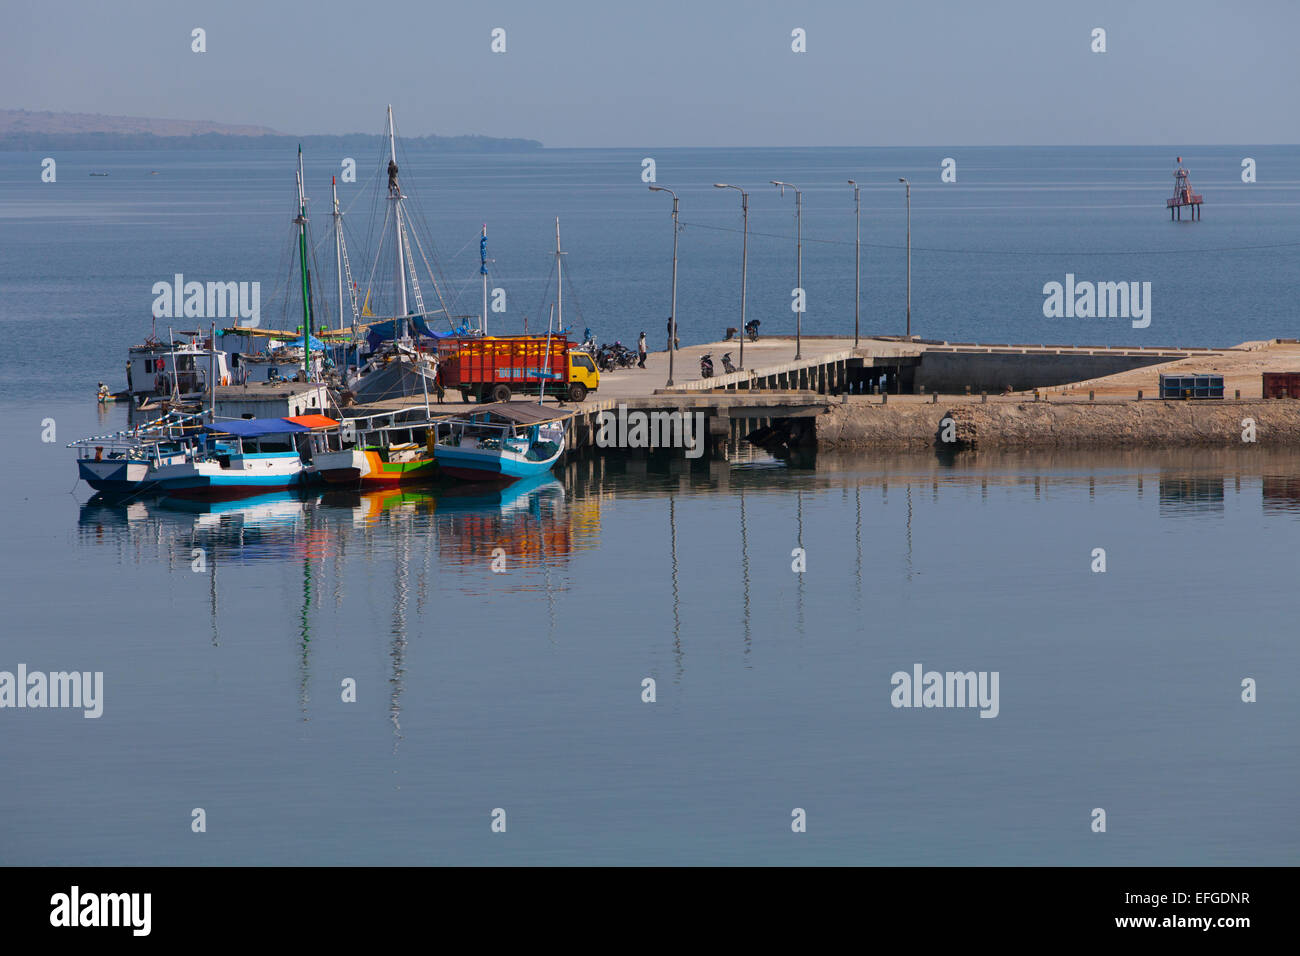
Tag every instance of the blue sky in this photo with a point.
(670, 73)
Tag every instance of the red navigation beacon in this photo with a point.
(1183, 195)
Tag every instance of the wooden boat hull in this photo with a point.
(242, 474)
(486, 464)
(116, 476)
(368, 469)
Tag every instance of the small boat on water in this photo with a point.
(378, 451)
(179, 455)
(248, 456)
(105, 396)
(502, 442)
(128, 461)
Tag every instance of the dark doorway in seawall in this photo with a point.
(790, 439)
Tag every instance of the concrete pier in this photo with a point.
(894, 392)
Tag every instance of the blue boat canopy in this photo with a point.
(382, 332)
(256, 427)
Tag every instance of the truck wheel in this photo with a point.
(577, 391)
(501, 393)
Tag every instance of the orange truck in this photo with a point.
(494, 368)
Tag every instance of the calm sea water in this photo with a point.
(80, 256)
(523, 690)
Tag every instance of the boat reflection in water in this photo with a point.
(267, 526)
(528, 519)
(382, 555)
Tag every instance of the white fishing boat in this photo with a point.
(176, 370)
(247, 456)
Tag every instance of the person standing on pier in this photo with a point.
(671, 344)
(439, 389)
(641, 350)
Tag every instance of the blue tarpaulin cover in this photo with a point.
(256, 427)
(384, 331)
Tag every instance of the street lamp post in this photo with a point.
(672, 333)
(744, 261)
(857, 257)
(798, 247)
(909, 255)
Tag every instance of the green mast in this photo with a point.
(301, 222)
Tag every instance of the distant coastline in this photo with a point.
(359, 142)
(22, 130)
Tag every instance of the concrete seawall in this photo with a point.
(993, 369)
(1003, 424)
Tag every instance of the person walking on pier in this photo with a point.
(641, 351)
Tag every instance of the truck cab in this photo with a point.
(584, 377)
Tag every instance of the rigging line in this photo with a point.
(285, 269)
(361, 191)
(473, 239)
(436, 290)
(573, 293)
(546, 289)
(458, 290)
(1005, 252)
(370, 280)
(437, 274)
(499, 278)
(420, 226)
(319, 293)
(377, 166)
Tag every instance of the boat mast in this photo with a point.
(212, 373)
(395, 194)
(559, 278)
(546, 373)
(482, 254)
(301, 222)
(338, 245)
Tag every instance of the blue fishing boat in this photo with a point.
(248, 456)
(502, 442)
(128, 462)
